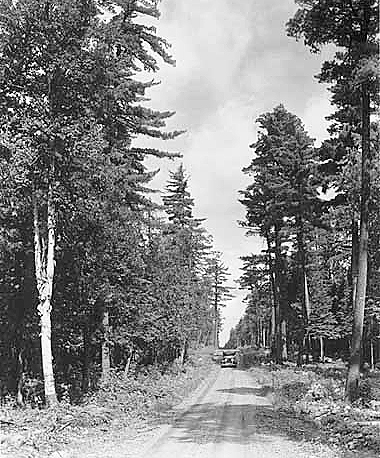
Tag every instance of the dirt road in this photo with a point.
(232, 418)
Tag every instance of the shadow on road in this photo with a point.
(262, 391)
(240, 423)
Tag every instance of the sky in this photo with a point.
(233, 63)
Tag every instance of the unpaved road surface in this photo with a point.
(233, 418)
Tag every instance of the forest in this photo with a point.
(95, 274)
(315, 290)
(98, 275)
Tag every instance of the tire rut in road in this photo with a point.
(166, 440)
(231, 417)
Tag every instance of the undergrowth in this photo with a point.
(119, 402)
(316, 393)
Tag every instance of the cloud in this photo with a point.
(314, 118)
(234, 62)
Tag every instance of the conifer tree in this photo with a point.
(255, 279)
(219, 293)
(67, 71)
(189, 244)
(283, 201)
(353, 27)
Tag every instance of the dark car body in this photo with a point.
(217, 356)
(230, 358)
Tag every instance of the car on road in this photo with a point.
(217, 356)
(230, 358)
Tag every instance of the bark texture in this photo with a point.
(44, 247)
(106, 363)
(353, 375)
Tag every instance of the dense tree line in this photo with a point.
(93, 274)
(320, 272)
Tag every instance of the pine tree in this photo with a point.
(189, 244)
(219, 293)
(256, 280)
(67, 72)
(283, 202)
(353, 27)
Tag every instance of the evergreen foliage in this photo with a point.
(353, 27)
(86, 258)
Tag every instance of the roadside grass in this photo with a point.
(120, 403)
(315, 393)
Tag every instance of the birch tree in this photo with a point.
(41, 106)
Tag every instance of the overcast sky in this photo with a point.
(234, 62)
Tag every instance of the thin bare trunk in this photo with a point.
(44, 271)
(216, 324)
(280, 300)
(106, 363)
(129, 361)
(275, 299)
(21, 378)
(273, 325)
(354, 258)
(284, 344)
(321, 349)
(199, 338)
(264, 340)
(207, 339)
(86, 359)
(353, 374)
(183, 352)
(307, 299)
(258, 339)
(304, 286)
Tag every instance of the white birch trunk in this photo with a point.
(183, 352)
(284, 343)
(44, 247)
(106, 364)
(321, 349)
(128, 365)
(264, 337)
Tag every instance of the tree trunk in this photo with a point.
(183, 352)
(258, 340)
(279, 290)
(216, 330)
(321, 349)
(273, 329)
(44, 247)
(354, 258)
(129, 361)
(352, 382)
(207, 338)
(86, 359)
(47, 358)
(21, 379)
(303, 282)
(264, 337)
(309, 346)
(284, 344)
(106, 363)
(275, 302)
(199, 338)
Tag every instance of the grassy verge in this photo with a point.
(315, 393)
(120, 404)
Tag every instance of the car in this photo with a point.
(217, 356)
(229, 359)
